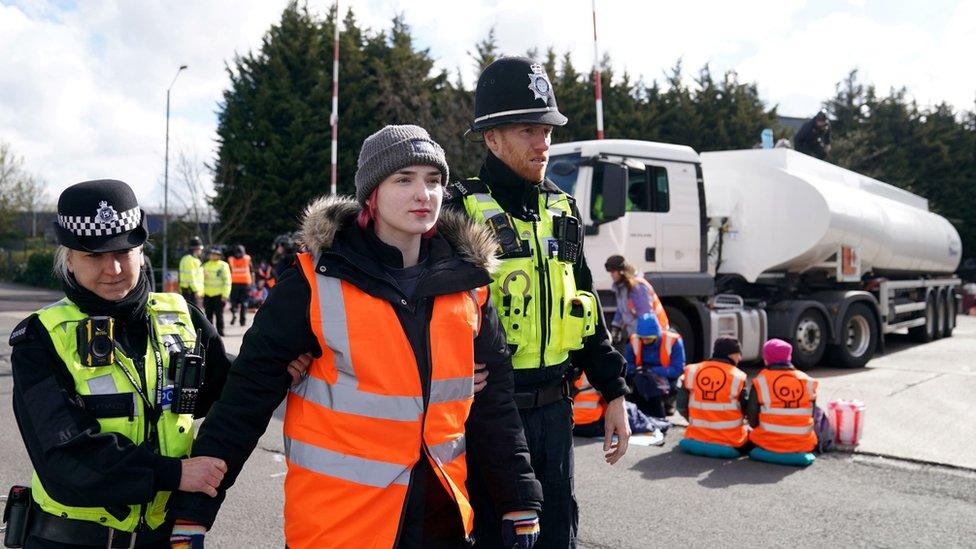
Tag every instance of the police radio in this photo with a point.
(187, 377)
(569, 235)
(509, 243)
(96, 341)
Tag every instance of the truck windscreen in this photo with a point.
(562, 170)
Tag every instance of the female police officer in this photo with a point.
(93, 388)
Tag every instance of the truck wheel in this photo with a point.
(950, 314)
(858, 338)
(681, 324)
(941, 315)
(925, 332)
(809, 339)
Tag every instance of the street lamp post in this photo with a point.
(162, 277)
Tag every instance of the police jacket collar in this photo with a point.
(514, 194)
(460, 256)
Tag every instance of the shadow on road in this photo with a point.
(722, 473)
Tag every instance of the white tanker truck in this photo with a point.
(759, 243)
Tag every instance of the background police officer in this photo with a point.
(542, 290)
(106, 446)
(191, 273)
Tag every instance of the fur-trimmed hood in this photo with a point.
(325, 216)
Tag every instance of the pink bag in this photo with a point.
(847, 419)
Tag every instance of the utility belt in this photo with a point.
(544, 396)
(81, 532)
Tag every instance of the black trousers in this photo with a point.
(213, 307)
(190, 296)
(549, 432)
(238, 299)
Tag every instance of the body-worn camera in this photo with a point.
(569, 233)
(96, 341)
(509, 243)
(187, 378)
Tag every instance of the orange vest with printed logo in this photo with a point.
(358, 423)
(240, 269)
(786, 400)
(714, 411)
(588, 405)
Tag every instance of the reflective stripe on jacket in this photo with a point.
(714, 409)
(240, 269)
(358, 423)
(216, 278)
(191, 274)
(122, 410)
(786, 400)
(538, 304)
(588, 405)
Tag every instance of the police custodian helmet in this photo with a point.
(100, 216)
(514, 90)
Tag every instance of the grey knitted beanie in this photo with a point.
(394, 148)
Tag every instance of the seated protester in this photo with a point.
(589, 409)
(780, 407)
(257, 294)
(655, 360)
(711, 396)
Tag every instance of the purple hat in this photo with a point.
(777, 351)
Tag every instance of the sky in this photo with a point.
(83, 84)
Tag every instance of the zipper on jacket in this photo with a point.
(543, 293)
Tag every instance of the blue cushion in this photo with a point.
(799, 459)
(708, 449)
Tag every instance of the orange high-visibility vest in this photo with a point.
(786, 400)
(358, 423)
(664, 350)
(240, 269)
(662, 316)
(588, 405)
(714, 411)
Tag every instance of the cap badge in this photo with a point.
(106, 213)
(539, 83)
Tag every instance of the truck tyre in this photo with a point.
(950, 313)
(925, 332)
(680, 323)
(858, 338)
(941, 315)
(809, 339)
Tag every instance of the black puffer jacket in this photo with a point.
(458, 259)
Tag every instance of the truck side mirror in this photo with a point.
(614, 191)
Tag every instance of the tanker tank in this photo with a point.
(789, 212)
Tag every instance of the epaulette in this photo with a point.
(460, 189)
(20, 331)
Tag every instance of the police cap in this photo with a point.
(514, 90)
(100, 216)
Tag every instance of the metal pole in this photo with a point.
(334, 118)
(162, 277)
(597, 80)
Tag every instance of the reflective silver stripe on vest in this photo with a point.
(448, 390)
(763, 391)
(788, 411)
(785, 429)
(483, 198)
(737, 381)
(344, 395)
(102, 385)
(364, 471)
(731, 424)
(719, 406)
(447, 452)
(587, 404)
(690, 377)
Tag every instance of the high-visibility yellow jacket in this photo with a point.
(216, 278)
(191, 274)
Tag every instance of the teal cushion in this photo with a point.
(799, 459)
(708, 449)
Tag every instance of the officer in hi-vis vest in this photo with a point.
(542, 290)
(107, 382)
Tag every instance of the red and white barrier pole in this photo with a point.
(334, 118)
(596, 80)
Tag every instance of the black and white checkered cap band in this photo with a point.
(93, 226)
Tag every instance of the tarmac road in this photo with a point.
(920, 415)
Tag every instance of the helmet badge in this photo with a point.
(106, 213)
(539, 83)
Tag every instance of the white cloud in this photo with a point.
(82, 91)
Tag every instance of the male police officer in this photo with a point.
(542, 289)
